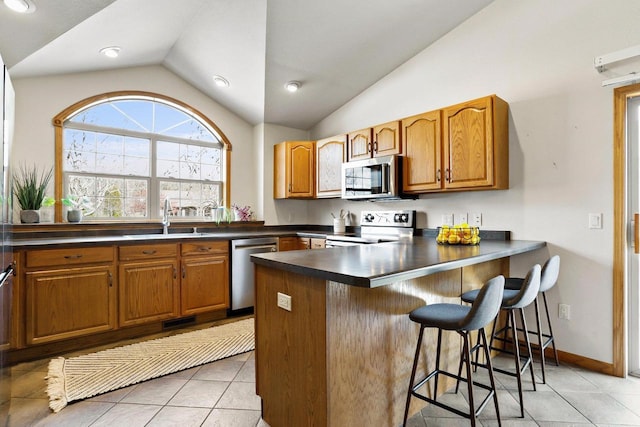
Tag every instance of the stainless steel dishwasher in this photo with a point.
(242, 270)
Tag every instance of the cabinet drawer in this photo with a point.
(128, 253)
(317, 243)
(69, 256)
(203, 248)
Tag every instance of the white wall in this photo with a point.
(538, 56)
(281, 211)
(38, 100)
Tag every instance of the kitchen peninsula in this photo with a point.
(341, 352)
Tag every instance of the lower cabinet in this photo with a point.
(70, 302)
(148, 291)
(74, 292)
(295, 243)
(205, 277)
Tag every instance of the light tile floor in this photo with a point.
(222, 394)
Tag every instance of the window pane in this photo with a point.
(191, 198)
(115, 168)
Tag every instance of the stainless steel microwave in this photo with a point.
(375, 178)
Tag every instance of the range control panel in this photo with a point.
(404, 218)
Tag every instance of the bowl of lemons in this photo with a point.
(460, 234)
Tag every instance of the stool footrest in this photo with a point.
(434, 373)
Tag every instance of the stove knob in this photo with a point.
(397, 218)
(404, 218)
(368, 218)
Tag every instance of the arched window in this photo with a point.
(126, 152)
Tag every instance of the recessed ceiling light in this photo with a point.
(20, 6)
(292, 86)
(220, 81)
(111, 51)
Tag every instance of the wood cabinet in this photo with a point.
(205, 277)
(462, 147)
(298, 243)
(71, 293)
(360, 144)
(330, 154)
(381, 140)
(294, 170)
(148, 283)
(422, 148)
(387, 139)
(476, 144)
(317, 243)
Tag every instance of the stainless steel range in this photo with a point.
(378, 226)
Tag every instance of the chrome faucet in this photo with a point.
(165, 216)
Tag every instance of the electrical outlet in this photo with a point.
(447, 219)
(462, 218)
(476, 219)
(284, 301)
(564, 311)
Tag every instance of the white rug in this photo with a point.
(85, 376)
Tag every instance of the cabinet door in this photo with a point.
(294, 169)
(476, 144)
(317, 243)
(359, 144)
(422, 168)
(205, 284)
(287, 244)
(68, 303)
(148, 291)
(304, 243)
(300, 169)
(330, 154)
(387, 139)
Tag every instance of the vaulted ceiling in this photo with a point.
(335, 48)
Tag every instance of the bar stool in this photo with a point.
(461, 319)
(513, 300)
(548, 279)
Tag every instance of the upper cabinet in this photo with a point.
(476, 144)
(294, 170)
(422, 147)
(387, 139)
(330, 154)
(381, 140)
(360, 144)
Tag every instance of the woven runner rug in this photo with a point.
(80, 377)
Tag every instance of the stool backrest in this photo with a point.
(486, 306)
(528, 291)
(550, 272)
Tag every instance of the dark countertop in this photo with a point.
(381, 264)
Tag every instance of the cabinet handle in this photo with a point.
(73, 256)
(175, 273)
(204, 248)
(149, 252)
(184, 272)
(375, 146)
(447, 175)
(110, 279)
(438, 175)
(289, 188)
(368, 147)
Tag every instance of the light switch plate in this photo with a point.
(595, 220)
(447, 219)
(462, 218)
(476, 219)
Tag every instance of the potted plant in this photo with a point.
(29, 187)
(78, 207)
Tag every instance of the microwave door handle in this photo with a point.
(385, 179)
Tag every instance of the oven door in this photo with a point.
(370, 179)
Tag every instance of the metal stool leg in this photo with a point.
(487, 355)
(413, 375)
(540, 340)
(529, 353)
(467, 358)
(551, 337)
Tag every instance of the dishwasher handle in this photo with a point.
(272, 248)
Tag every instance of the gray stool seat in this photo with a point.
(548, 279)
(513, 300)
(463, 320)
